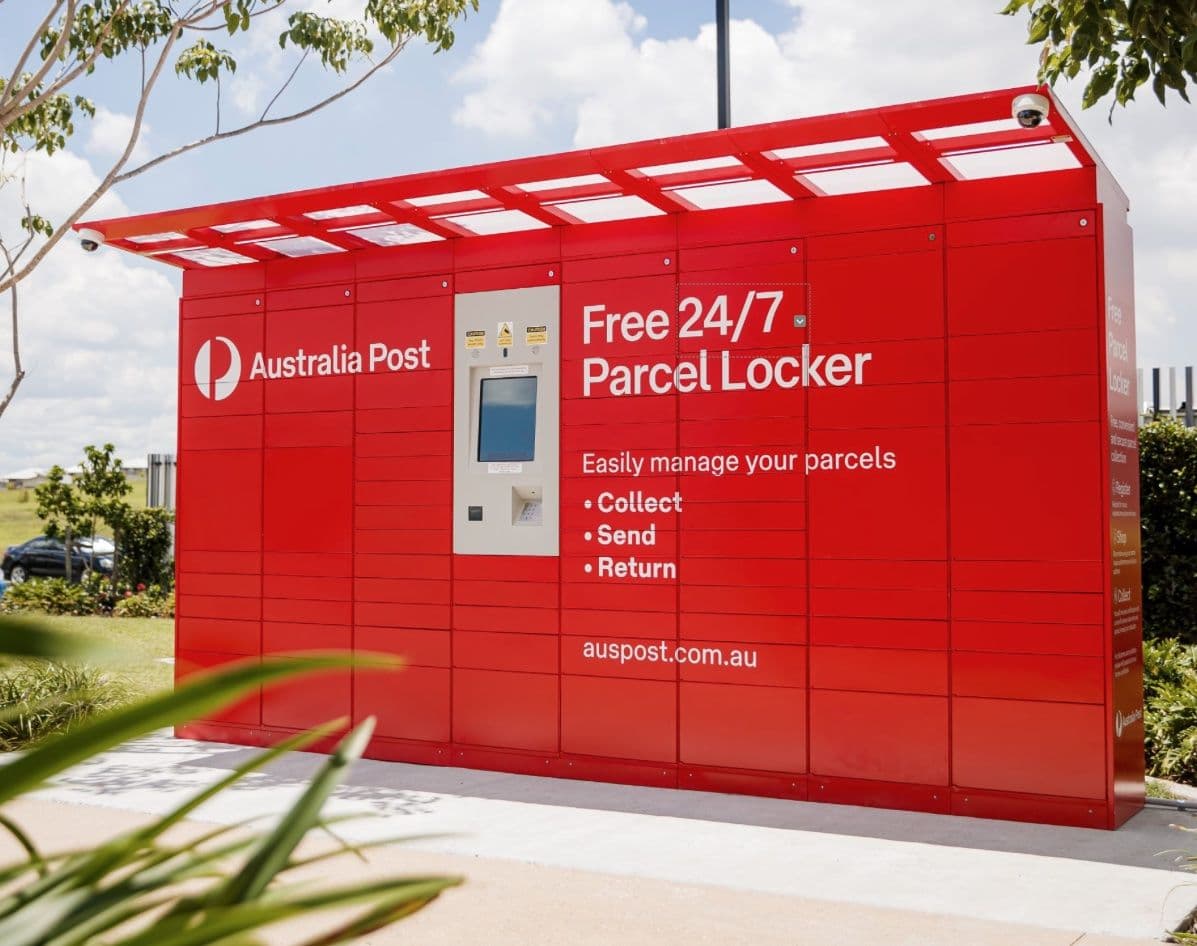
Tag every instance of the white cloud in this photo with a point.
(587, 67)
(248, 93)
(539, 58)
(582, 63)
(109, 135)
(97, 337)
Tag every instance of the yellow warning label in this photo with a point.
(536, 335)
(475, 339)
(505, 335)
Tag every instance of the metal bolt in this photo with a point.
(551, 273)
(1084, 221)
(668, 261)
(346, 293)
(930, 236)
(793, 250)
(257, 302)
(444, 284)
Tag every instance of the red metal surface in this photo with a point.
(934, 579)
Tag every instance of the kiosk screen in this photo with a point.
(507, 420)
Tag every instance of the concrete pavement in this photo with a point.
(610, 863)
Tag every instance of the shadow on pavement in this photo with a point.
(397, 788)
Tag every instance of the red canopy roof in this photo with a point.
(966, 137)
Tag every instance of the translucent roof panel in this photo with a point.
(733, 194)
(972, 128)
(610, 208)
(393, 234)
(299, 246)
(497, 221)
(829, 147)
(456, 197)
(244, 226)
(157, 237)
(559, 183)
(357, 210)
(685, 167)
(212, 256)
(873, 177)
(1005, 162)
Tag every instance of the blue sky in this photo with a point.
(526, 77)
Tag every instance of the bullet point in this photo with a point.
(587, 504)
(587, 536)
(588, 569)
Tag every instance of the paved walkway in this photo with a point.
(578, 862)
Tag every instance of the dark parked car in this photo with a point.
(43, 558)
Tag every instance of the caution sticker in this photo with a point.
(475, 339)
(536, 335)
(505, 335)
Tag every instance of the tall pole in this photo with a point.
(723, 58)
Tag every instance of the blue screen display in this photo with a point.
(507, 420)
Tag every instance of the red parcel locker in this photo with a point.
(757, 460)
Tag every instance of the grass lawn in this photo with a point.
(146, 640)
(18, 513)
(18, 520)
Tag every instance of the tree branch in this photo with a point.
(8, 92)
(283, 88)
(220, 27)
(16, 110)
(260, 123)
(18, 372)
(68, 23)
(113, 172)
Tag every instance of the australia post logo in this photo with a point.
(217, 383)
(1122, 721)
(217, 389)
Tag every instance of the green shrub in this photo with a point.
(143, 539)
(1170, 709)
(49, 596)
(1168, 500)
(151, 603)
(43, 699)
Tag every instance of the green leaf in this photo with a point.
(217, 925)
(1099, 85)
(1039, 28)
(35, 857)
(119, 850)
(275, 850)
(27, 638)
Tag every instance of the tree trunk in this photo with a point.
(66, 556)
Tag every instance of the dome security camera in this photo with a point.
(1030, 110)
(90, 240)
